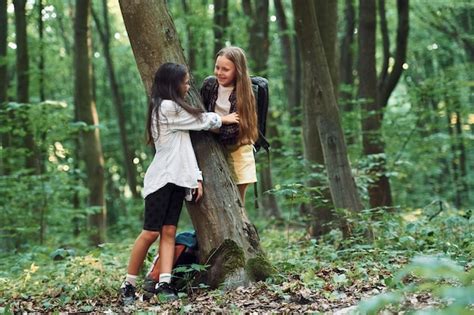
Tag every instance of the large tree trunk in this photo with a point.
(86, 110)
(127, 152)
(321, 214)
(228, 241)
(221, 23)
(257, 12)
(5, 138)
(322, 108)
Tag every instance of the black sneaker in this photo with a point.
(127, 293)
(165, 292)
(148, 287)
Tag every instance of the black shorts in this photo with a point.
(163, 207)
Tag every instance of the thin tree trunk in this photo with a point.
(323, 108)
(22, 60)
(298, 79)
(259, 52)
(346, 65)
(64, 35)
(346, 68)
(90, 145)
(372, 141)
(104, 35)
(461, 149)
(221, 23)
(41, 51)
(375, 101)
(454, 164)
(326, 12)
(288, 60)
(388, 82)
(23, 78)
(5, 138)
(228, 241)
(192, 46)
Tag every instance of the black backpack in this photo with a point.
(260, 91)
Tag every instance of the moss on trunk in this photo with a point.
(259, 268)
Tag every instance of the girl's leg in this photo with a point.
(167, 242)
(242, 190)
(140, 249)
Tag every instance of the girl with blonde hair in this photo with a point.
(230, 91)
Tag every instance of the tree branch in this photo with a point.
(400, 53)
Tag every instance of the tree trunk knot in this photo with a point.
(332, 141)
(169, 34)
(252, 236)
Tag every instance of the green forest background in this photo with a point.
(49, 250)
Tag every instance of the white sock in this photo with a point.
(165, 277)
(132, 279)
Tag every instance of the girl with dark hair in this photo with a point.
(173, 170)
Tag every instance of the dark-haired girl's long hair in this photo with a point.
(167, 85)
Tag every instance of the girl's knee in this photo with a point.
(149, 236)
(168, 232)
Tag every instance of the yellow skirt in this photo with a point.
(242, 163)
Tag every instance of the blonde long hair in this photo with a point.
(246, 106)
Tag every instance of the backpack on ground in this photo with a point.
(185, 253)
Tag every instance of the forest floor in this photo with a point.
(291, 296)
(412, 264)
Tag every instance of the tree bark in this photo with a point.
(258, 53)
(23, 78)
(326, 13)
(375, 101)
(63, 32)
(228, 241)
(461, 149)
(221, 23)
(346, 71)
(320, 214)
(127, 152)
(388, 82)
(288, 60)
(322, 109)
(86, 110)
(41, 51)
(5, 138)
(372, 140)
(192, 53)
(346, 64)
(258, 33)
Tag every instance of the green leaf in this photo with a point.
(375, 304)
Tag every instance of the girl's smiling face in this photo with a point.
(225, 71)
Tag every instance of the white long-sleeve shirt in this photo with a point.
(222, 102)
(174, 160)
